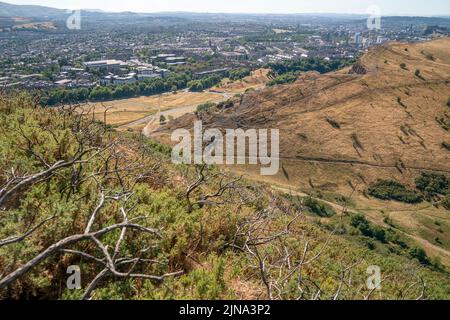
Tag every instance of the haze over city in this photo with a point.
(398, 7)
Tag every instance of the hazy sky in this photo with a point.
(388, 7)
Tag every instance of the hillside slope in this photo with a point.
(92, 194)
(386, 117)
(13, 10)
(389, 110)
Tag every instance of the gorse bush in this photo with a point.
(60, 203)
(205, 107)
(285, 78)
(432, 183)
(392, 190)
(388, 237)
(119, 194)
(360, 222)
(420, 255)
(319, 208)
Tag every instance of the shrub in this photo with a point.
(333, 123)
(361, 223)
(205, 107)
(446, 202)
(392, 190)
(400, 102)
(283, 79)
(419, 254)
(432, 183)
(240, 73)
(309, 64)
(318, 208)
(356, 142)
(443, 121)
(204, 83)
(403, 65)
(418, 74)
(446, 145)
(379, 234)
(448, 102)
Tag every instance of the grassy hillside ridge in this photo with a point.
(385, 118)
(12, 10)
(195, 244)
(390, 110)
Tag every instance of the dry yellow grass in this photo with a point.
(36, 25)
(125, 112)
(256, 80)
(120, 112)
(384, 127)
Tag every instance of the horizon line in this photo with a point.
(447, 15)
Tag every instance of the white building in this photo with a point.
(113, 80)
(105, 64)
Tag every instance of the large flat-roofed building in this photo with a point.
(175, 60)
(164, 56)
(113, 80)
(105, 64)
(144, 73)
(233, 55)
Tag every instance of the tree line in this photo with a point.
(287, 71)
(173, 82)
(127, 90)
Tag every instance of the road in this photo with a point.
(175, 113)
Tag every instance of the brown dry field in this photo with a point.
(386, 128)
(36, 25)
(124, 111)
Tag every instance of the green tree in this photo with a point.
(393, 190)
(419, 254)
(432, 183)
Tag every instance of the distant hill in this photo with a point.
(39, 12)
(29, 11)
